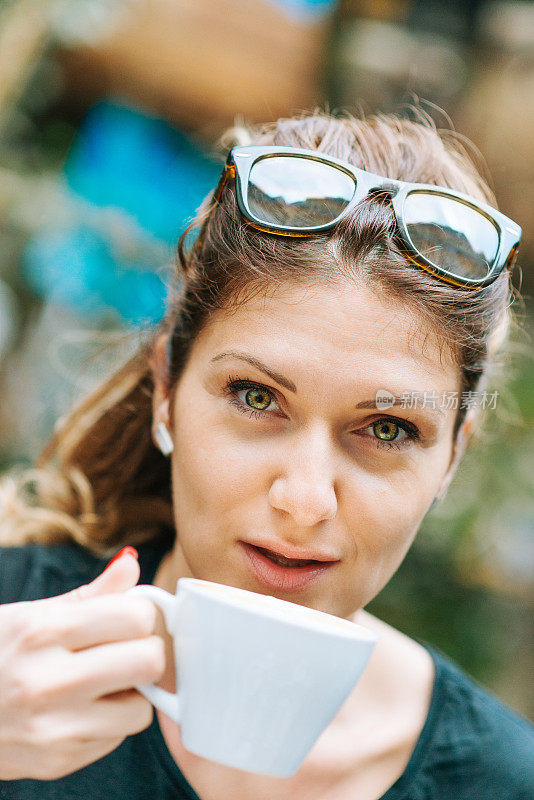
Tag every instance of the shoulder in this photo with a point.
(470, 745)
(477, 733)
(34, 571)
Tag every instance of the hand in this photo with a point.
(68, 668)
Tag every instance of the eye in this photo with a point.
(257, 398)
(393, 433)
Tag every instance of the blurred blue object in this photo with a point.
(125, 158)
(76, 269)
(303, 9)
(128, 162)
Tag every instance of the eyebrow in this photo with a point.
(255, 362)
(288, 384)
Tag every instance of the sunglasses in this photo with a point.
(290, 191)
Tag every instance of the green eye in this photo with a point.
(258, 399)
(386, 430)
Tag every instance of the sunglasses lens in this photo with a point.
(451, 235)
(297, 192)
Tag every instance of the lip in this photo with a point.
(282, 579)
(292, 552)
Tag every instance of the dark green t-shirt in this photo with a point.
(472, 747)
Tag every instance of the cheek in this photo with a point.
(384, 528)
(387, 510)
(212, 465)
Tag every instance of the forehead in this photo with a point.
(344, 331)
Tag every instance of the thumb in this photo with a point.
(121, 574)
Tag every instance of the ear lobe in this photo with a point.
(160, 417)
(162, 411)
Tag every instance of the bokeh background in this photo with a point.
(109, 114)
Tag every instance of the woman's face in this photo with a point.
(300, 460)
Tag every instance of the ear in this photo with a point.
(462, 438)
(160, 396)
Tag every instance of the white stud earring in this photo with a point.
(164, 439)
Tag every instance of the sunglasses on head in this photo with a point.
(291, 191)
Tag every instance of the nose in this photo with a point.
(306, 486)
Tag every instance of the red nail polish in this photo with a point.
(125, 551)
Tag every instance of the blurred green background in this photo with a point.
(109, 110)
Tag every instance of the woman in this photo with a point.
(254, 432)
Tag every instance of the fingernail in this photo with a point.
(125, 551)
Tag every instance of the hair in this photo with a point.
(100, 480)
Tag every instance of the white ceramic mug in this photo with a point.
(258, 678)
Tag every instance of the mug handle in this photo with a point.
(167, 702)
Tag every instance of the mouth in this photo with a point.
(278, 572)
(277, 558)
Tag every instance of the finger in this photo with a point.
(119, 575)
(106, 619)
(99, 620)
(110, 668)
(121, 714)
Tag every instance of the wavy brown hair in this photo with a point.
(100, 480)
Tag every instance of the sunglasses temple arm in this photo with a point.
(512, 257)
(229, 171)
